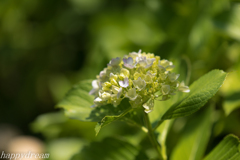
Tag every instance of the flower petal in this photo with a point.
(119, 93)
(183, 88)
(139, 83)
(131, 94)
(165, 89)
(124, 83)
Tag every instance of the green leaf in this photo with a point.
(201, 91)
(77, 104)
(64, 148)
(51, 125)
(231, 103)
(110, 149)
(193, 142)
(163, 131)
(230, 92)
(160, 107)
(227, 149)
(109, 119)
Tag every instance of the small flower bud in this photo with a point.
(105, 96)
(124, 73)
(149, 106)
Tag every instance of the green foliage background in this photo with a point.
(47, 46)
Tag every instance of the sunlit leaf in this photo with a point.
(201, 91)
(77, 102)
(160, 107)
(231, 91)
(193, 142)
(231, 103)
(51, 125)
(109, 119)
(163, 131)
(227, 149)
(64, 148)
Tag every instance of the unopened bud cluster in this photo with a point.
(140, 77)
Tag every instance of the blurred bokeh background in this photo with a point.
(46, 46)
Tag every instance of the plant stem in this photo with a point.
(131, 122)
(163, 136)
(152, 136)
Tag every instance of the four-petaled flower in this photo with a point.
(124, 83)
(115, 62)
(128, 62)
(131, 94)
(139, 83)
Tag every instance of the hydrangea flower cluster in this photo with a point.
(140, 77)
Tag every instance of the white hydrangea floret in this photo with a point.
(124, 83)
(115, 62)
(183, 88)
(128, 62)
(95, 86)
(139, 83)
(132, 94)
